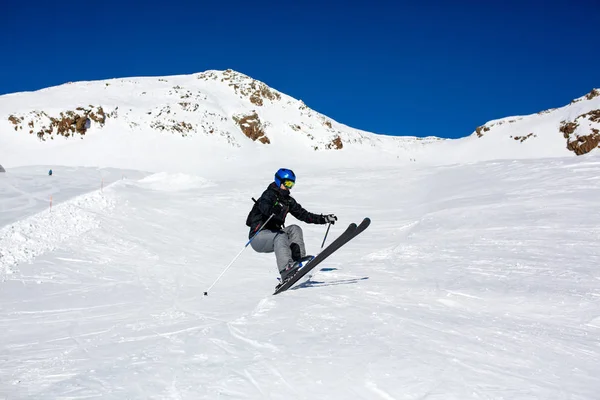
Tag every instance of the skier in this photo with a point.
(286, 242)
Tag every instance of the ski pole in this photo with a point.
(236, 257)
(322, 244)
(325, 238)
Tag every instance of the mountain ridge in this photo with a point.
(228, 110)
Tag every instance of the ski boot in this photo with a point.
(292, 268)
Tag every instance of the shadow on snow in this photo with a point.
(310, 283)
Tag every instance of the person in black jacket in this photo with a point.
(286, 241)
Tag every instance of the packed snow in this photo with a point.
(474, 281)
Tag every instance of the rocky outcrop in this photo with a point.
(584, 144)
(255, 91)
(335, 144)
(173, 126)
(582, 134)
(66, 123)
(480, 129)
(252, 127)
(592, 94)
(523, 138)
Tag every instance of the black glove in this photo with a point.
(329, 219)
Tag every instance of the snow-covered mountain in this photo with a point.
(217, 115)
(200, 117)
(573, 129)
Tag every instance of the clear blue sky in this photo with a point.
(402, 68)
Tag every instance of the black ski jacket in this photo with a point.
(277, 201)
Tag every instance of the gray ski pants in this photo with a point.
(279, 242)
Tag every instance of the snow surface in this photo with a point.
(474, 281)
(477, 279)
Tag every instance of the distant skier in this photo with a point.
(286, 242)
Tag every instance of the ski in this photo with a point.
(350, 233)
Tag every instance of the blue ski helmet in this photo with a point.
(284, 174)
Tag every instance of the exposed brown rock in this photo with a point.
(80, 125)
(567, 128)
(252, 127)
(66, 124)
(173, 126)
(256, 99)
(190, 107)
(593, 116)
(524, 138)
(546, 111)
(254, 90)
(480, 129)
(584, 144)
(592, 94)
(16, 121)
(209, 75)
(581, 144)
(335, 144)
(99, 116)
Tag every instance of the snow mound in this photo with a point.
(26, 239)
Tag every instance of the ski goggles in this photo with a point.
(288, 184)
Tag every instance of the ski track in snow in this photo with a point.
(474, 281)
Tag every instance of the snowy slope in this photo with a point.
(475, 281)
(559, 132)
(135, 122)
(189, 122)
